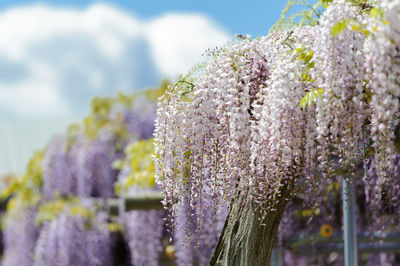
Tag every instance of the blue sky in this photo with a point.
(253, 17)
(55, 56)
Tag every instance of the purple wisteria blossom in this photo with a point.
(74, 240)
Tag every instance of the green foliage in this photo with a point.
(139, 160)
(72, 133)
(376, 13)
(310, 97)
(306, 13)
(115, 227)
(99, 116)
(339, 27)
(51, 210)
(353, 25)
(325, 3)
(366, 6)
(188, 83)
(154, 94)
(357, 26)
(306, 56)
(185, 83)
(307, 212)
(25, 190)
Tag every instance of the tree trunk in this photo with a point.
(245, 240)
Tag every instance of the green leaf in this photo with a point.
(376, 12)
(339, 27)
(325, 3)
(357, 26)
(117, 164)
(309, 56)
(310, 97)
(118, 188)
(139, 161)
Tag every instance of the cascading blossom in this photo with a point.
(101, 153)
(202, 130)
(382, 50)
(72, 239)
(81, 163)
(58, 174)
(139, 119)
(279, 140)
(384, 211)
(143, 231)
(265, 113)
(96, 174)
(194, 240)
(20, 237)
(339, 60)
(80, 166)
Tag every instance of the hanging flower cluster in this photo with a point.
(20, 237)
(44, 224)
(18, 222)
(202, 129)
(267, 116)
(340, 111)
(143, 231)
(382, 52)
(77, 236)
(80, 162)
(198, 248)
(279, 143)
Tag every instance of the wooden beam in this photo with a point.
(143, 201)
(307, 239)
(365, 247)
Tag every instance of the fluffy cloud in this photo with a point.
(53, 60)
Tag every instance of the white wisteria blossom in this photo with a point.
(267, 117)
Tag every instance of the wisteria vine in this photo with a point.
(289, 110)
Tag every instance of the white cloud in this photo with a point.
(178, 40)
(53, 60)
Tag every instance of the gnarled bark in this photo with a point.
(245, 240)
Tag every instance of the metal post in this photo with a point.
(349, 222)
(277, 256)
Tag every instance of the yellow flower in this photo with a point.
(170, 251)
(326, 230)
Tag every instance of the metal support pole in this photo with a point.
(349, 222)
(277, 256)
